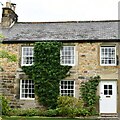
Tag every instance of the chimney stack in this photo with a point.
(9, 17)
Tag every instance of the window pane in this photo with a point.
(33, 95)
(105, 86)
(110, 92)
(105, 92)
(110, 86)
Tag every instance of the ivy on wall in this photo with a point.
(47, 72)
(88, 91)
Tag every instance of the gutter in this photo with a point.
(5, 41)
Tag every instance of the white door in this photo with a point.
(108, 97)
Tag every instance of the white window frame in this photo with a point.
(61, 55)
(67, 87)
(22, 58)
(114, 56)
(21, 93)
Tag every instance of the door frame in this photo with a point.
(116, 93)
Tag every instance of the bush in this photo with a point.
(51, 113)
(4, 107)
(68, 101)
(82, 112)
(27, 112)
(69, 106)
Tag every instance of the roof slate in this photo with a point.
(62, 31)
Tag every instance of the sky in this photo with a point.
(64, 10)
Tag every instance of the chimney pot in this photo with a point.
(13, 6)
(8, 4)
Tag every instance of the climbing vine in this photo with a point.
(10, 57)
(47, 72)
(88, 91)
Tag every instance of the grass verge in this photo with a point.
(39, 118)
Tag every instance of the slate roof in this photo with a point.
(62, 31)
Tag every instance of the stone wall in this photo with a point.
(87, 65)
(11, 76)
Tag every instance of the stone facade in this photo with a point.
(11, 76)
(87, 64)
(86, 36)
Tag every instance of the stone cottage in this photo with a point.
(91, 48)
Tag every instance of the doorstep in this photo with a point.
(109, 116)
